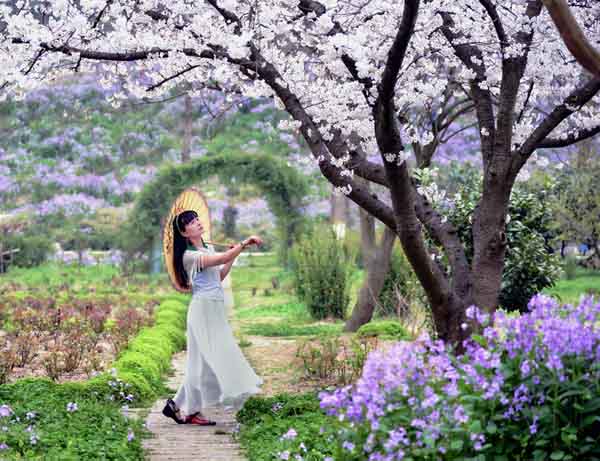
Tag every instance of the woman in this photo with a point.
(216, 370)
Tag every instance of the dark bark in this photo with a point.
(377, 260)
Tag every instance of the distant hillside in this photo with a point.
(67, 151)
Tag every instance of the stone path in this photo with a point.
(172, 441)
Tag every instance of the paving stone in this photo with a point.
(172, 441)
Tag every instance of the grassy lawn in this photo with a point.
(569, 291)
(265, 303)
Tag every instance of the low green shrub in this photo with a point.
(322, 270)
(334, 358)
(49, 421)
(384, 329)
(33, 249)
(399, 281)
(272, 426)
(148, 356)
(570, 267)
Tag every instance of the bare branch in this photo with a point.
(490, 8)
(174, 76)
(106, 6)
(229, 16)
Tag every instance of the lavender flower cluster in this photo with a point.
(417, 399)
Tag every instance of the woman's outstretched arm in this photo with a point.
(227, 257)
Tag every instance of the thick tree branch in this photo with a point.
(99, 17)
(444, 233)
(571, 139)
(513, 68)
(229, 16)
(310, 131)
(472, 58)
(490, 8)
(573, 36)
(404, 199)
(572, 103)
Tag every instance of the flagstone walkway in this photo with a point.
(172, 441)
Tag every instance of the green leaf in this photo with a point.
(557, 455)
(588, 420)
(491, 428)
(592, 405)
(456, 445)
(475, 426)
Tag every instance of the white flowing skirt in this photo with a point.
(216, 371)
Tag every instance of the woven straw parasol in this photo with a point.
(189, 199)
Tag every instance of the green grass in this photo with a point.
(569, 291)
(288, 329)
(295, 311)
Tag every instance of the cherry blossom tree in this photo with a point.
(356, 78)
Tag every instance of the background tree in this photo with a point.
(576, 204)
(354, 77)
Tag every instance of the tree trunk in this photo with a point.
(377, 261)
(489, 245)
(187, 129)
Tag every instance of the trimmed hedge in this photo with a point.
(96, 429)
(385, 329)
(148, 356)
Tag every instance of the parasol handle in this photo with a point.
(220, 244)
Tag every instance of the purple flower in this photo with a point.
(5, 411)
(285, 455)
(460, 415)
(348, 445)
(130, 435)
(3, 446)
(290, 434)
(71, 407)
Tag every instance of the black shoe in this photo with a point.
(170, 411)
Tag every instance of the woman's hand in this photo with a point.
(253, 240)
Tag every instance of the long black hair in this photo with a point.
(180, 244)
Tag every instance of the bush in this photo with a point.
(399, 281)
(334, 359)
(527, 388)
(33, 249)
(570, 267)
(530, 265)
(321, 271)
(385, 329)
